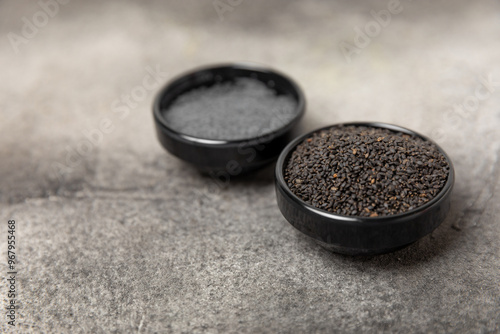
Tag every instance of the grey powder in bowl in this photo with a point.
(243, 109)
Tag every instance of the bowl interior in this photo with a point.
(285, 155)
(207, 77)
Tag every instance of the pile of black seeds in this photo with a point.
(245, 108)
(366, 171)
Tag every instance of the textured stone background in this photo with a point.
(129, 239)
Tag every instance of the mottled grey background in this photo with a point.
(129, 239)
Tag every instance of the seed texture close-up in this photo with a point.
(366, 171)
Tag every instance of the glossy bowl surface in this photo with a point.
(232, 157)
(355, 235)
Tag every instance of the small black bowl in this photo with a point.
(232, 157)
(354, 235)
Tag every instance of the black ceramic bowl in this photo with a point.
(233, 157)
(361, 235)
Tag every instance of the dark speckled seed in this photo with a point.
(244, 109)
(366, 171)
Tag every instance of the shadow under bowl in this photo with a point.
(354, 235)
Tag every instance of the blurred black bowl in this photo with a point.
(233, 157)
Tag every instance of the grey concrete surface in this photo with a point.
(124, 238)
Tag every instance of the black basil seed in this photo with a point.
(366, 171)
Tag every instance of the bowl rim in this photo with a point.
(205, 142)
(359, 220)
